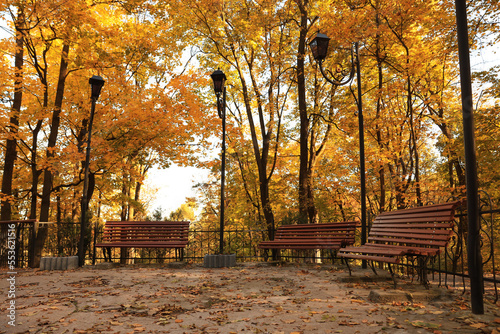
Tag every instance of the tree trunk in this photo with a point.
(453, 160)
(413, 144)
(380, 59)
(48, 175)
(54, 129)
(11, 145)
(35, 173)
(304, 190)
(60, 226)
(124, 216)
(261, 158)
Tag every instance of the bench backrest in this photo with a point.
(329, 231)
(424, 226)
(115, 231)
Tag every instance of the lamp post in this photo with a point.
(474, 259)
(341, 76)
(219, 79)
(96, 83)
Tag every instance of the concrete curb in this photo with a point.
(59, 263)
(219, 261)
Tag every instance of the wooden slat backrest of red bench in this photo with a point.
(425, 226)
(145, 234)
(313, 236)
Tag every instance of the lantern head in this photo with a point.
(319, 46)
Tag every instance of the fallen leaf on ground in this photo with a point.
(424, 324)
(289, 321)
(327, 318)
(357, 301)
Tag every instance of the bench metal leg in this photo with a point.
(332, 255)
(265, 254)
(106, 251)
(422, 269)
(179, 254)
(346, 261)
(276, 254)
(372, 266)
(392, 275)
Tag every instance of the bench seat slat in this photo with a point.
(438, 226)
(135, 235)
(312, 236)
(136, 244)
(387, 259)
(403, 250)
(387, 251)
(308, 242)
(320, 225)
(412, 235)
(435, 243)
(303, 247)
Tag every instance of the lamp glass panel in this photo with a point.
(319, 46)
(96, 83)
(219, 79)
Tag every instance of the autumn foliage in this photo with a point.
(292, 143)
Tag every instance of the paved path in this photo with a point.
(249, 298)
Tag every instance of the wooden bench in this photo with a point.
(419, 232)
(146, 234)
(330, 236)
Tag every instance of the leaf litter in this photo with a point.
(249, 298)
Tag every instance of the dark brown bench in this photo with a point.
(330, 236)
(419, 232)
(146, 234)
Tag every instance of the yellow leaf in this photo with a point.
(429, 325)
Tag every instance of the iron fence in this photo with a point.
(16, 243)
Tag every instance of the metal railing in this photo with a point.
(16, 243)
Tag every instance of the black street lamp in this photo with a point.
(474, 259)
(219, 79)
(341, 76)
(96, 83)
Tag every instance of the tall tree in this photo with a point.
(253, 40)
(307, 209)
(13, 127)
